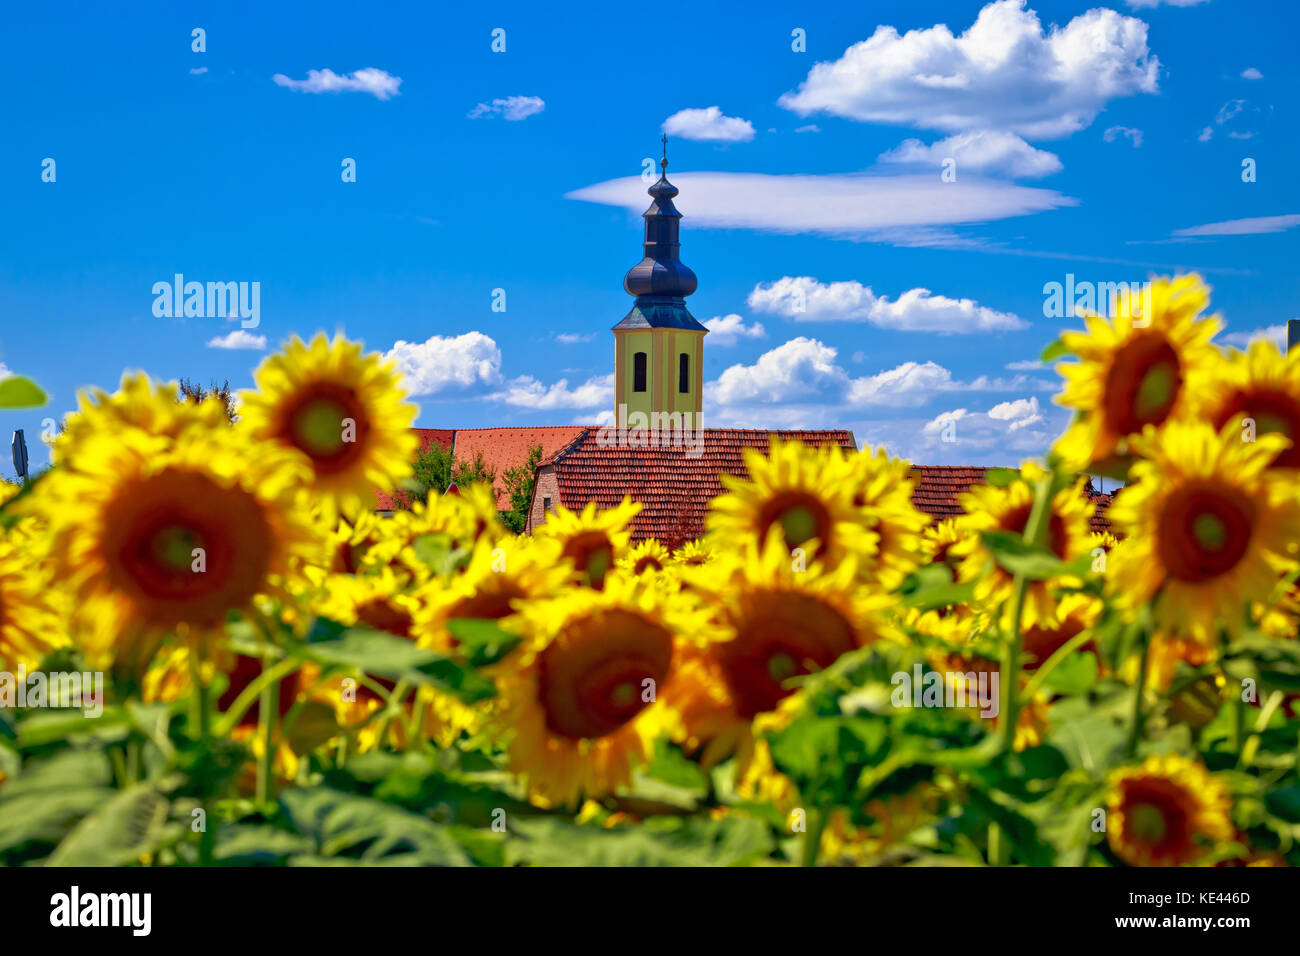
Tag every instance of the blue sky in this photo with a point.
(1103, 142)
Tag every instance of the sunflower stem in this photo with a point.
(268, 709)
(207, 835)
(1035, 529)
(1139, 686)
(812, 840)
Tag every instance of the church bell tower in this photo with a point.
(659, 345)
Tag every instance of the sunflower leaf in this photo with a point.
(384, 655)
(1016, 556)
(482, 642)
(1001, 477)
(353, 830)
(729, 841)
(1055, 350)
(117, 832)
(19, 392)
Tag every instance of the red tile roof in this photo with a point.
(673, 486)
(504, 448)
(938, 486)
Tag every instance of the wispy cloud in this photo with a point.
(1241, 227)
(238, 339)
(901, 209)
(1250, 73)
(510, 108)
(1273, 333)
(1115, 132)
(378, 83)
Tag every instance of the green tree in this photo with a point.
(519, 486)
(435, 470)
(196, 393)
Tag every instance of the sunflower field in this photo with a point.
(826, 677)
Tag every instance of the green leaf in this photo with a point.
(1285, 803)
(348, 829)
(1013, 554)
(482, 641)
(1076, 674)
(248, 845)
(1055, 350)
(19, 392)
(38, 728)
(385, 655)
(435, 550)
(660, 841)
(45, 801)
(117, 832)
(1001, 477)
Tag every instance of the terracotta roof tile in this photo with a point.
(673, 485)
(504, 448)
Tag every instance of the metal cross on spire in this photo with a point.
(663, 163)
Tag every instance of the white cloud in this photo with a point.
(1235, 135)
(900, 209)
(1205, 135)
(810, 128)
(5, 370)
(726, 330)
(804, 299)
(238, 339)
(981, 151)
(377, 83)
(709, 125)
(1149, 4)
(1004, 72)
(1025, 365)
(1228, 110)
(511, 108)
(1242, 227)
(440, 364)
(1115, 132)
(573, 338)
(1274, 333)
(1250, 73)
(528, 392)
(912, 383)
(196, 71)
(800, 383)
(800, 370)
(1018, 414)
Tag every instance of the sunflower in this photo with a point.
(692, 554)
(1008, 509)
(1207, 528)
(160, 536)
(593, 540)
(1075, 613)
(29, 620)
(806, 492)
(499, 575)
(777, 623)
(153, 408)
(343, 410)
(1163, 812)
(1261, 386)
(647, 557)
(1135, 370)
(964, 672)
(882, 491)
(381, 601)
(583, 698)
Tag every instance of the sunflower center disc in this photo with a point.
(1210, 531)
(319, 426)
(1148, 823)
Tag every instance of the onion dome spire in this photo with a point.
(661, 273)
